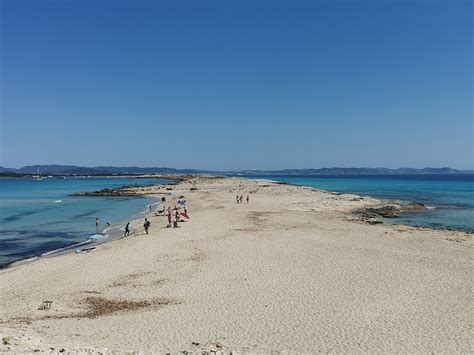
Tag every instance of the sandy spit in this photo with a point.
(291, 271)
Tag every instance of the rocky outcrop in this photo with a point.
(389, 211)
(124, 191)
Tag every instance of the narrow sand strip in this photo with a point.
(290, 271)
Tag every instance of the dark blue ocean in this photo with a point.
(450, 197)
(40, 216)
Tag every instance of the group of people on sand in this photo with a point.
(174, 216)
(146, 226)
(240, 198)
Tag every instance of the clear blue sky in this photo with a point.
(237, 84)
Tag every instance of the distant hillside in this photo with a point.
(98, 170)
(3, 170)
(133, 170)
(356, 171)
(49, 169)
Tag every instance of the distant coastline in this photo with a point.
(78, 171)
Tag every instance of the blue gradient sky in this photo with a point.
(237, 84)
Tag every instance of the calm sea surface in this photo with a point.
(450, 196)
(40, 216)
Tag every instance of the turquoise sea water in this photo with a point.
(451, 197)
(40, 216)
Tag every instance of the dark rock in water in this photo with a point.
(389, 211)
(386, 211)
(415, 206)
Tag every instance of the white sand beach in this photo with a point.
(292, 271)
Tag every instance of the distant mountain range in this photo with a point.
(71, 170)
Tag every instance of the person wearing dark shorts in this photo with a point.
(146, 225)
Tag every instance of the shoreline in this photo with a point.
(292, 270)
(369, 215)
(401, 207)
(71, 248)
(110, 234)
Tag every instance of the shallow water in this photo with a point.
(40, 216)
(451, 197)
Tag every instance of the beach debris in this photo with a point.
(209, 347)
(100, 306)
(45, 305)
(6, 340)
(85, 250)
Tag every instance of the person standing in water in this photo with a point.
(146, 225)
(97, 222)
(127, 229)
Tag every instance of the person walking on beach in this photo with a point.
(146, 225)
(237, 198)
(127, 229)
(248, 198)
(174, 223)
(241, 198)
(170, 217)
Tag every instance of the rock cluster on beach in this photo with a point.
(128, 190)
(389, 211)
